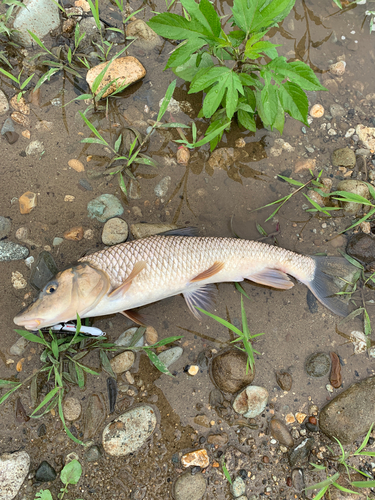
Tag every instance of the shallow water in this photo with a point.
(208, 198)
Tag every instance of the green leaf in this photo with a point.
(269, 104)
(294, 100)
(47, 398)
(363, 484)
(255, 15)
(367, 323)
(166, 100)
(43, 495)
(156, 362)
(121, 183)
(327, 482)
(5, 383)
(291, 181)
(210, 14)
(62, 418)
(87, 369)
(106, 364)
(7, 394)
(189, 69)
(166, 341)
(71, 473)
(221, 321)
(118, 143)
(92, 128)
(39, 42)
(365, 441)
(95, 13)
(297, 72)
(55, 348)
(246, 120)
(236, 37)
(226, 473)
(31, 337)
(255, 51)
(80, 375)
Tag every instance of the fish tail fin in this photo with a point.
(332, 275)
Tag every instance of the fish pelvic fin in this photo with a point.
(124, 287)
(272, 277)
(203, 297)
(134, 316)
(331, 275)
(208, 273)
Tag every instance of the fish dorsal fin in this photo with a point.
(203, 297)
(272, 277)
(134, 316)
(181, 231)
(211, 271)
(124, 287)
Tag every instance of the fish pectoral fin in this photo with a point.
(124, 287)
(272, 277)
(208, 273)
(203, 297)
(134, 316)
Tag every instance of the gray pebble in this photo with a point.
(85, 184)
(34, 148)
(19, 347)
(337, 110)
(238, 487)
(171, 355)
(8, 126)
(126, 337)
(162, 187)
(93, 454)
(318, 364)
(12, 251)
(188, 487)
(57, 241)
(5, 227)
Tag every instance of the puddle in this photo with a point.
(208, 193)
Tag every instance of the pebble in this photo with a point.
(281, 432)
(45, 473)
(134, 190)
(18, 281)
(74, 234)
(366, 135)
(20, 105)
(162, 187)
(34, 148)
(338, 68)
(170, 356)
(122, 362)
(218, 439)
(188, 487)
(193, 370)
(104, 207)
(26, 134)
(5, 226)
(72, 409)
(151, 335)
(335, 377)
(251, 401)
(183, 155)
(126, 338)
(197, 457)
(84, 183)
(350, 414)
(361, 246)
(14, 468)
(238, 487)
(4, 105)
(284, 380)
(228, 371)
(129, 431)
(93, 454)
(317, 111)
(202, 420)
(308, 164)
(7, 126)
(317, 364)
(115, 231)
(12, 251)
(298, 480)
(343, 157)
(76, 165)
(88, 234)
(146, 38)
(69, 198)
(124, 70)
(300, 453)
(94, 415)
(28, 201)
(336, 110)
(57, 241)
(20, 119)
(355, 187)
(40, 17)
(19, 347)
(349, 133)
(11, 137)
(142, 230)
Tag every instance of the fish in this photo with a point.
(121, 278)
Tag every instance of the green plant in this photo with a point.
(61, 358)
(17, 79)
(70, 474)
(134, 155)
(244, 336)
(5, 29)
(342, 463)
(240, 73)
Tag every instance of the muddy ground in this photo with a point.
(207, 199)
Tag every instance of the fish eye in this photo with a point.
(51, 288)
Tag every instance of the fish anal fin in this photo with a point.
(208, 273)
(124, 287)
(272, 277)
(134, 316)
(203, 297)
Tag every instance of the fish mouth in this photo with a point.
(29, 324)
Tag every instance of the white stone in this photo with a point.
(4, 105)
(14, 468)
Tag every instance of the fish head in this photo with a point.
(75, 290)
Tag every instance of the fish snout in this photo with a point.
(29, 324)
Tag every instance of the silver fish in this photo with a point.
(126, 276)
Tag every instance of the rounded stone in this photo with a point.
(317, 111)
(76, 165)
(93, 454)
(317, 364)
(284, 380)
(361, 246)
(72, 409)
(251, 401)
(343, 157)
(104, 207)
(355, 187)
(125, 339)
(34, 148)
(281, 432)
(228, 371)
(14, 468)
(45, 473)
(129, 431)
(122, 362)
(12, 251)
(115, 231)
(4, 105)
(5, 227)
(238, 487)
(170, 356)
(188, 487)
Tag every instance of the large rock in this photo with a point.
(228, 371)
(146, 38)
(38, 16)
(343, 157)
(14, 468)
(361, 246)
(129, 431)
(124, 70)
(189, 487)
(12, 251)
(350, 414)
(366, 136)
